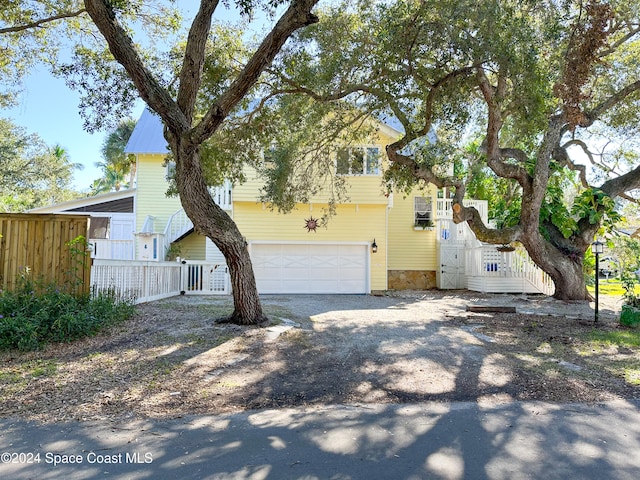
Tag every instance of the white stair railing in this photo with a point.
(486, 261)
(179, 223)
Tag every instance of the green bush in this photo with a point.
(32, 315)
(630, 316)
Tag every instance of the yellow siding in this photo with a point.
(410, 249)
(151, 198)
(361, 189)
(352, 223)
(192, 247)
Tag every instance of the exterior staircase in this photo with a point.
(179, 223)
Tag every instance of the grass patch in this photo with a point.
(43, 368)
(632, 375)
(10, 376)
(613, 287)
(618, 338)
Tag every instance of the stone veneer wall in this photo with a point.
(411, 279)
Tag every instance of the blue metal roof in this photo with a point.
(147, 136)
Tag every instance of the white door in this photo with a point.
(311, 268)
(451, 266)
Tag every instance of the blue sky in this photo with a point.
(50, 109)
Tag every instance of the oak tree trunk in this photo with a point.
(565, 271)
(212, 221)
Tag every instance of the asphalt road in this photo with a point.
(533, 440)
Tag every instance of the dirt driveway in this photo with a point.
(172, 359)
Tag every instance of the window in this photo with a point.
(99, 227)
(358, 161)
(170, 171)
(422, 212)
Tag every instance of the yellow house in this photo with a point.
(374, 242)
(371, 244)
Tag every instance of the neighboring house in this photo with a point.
(112, 225)
(374, 242)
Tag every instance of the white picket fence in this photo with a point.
(141, 281)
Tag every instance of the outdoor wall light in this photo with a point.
(374, 246)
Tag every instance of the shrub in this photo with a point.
(32, 315)
(630, 316)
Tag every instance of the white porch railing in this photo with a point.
(143, 281)
(111, 249)
(489, 270)
(444, 208)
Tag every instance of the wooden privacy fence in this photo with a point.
(46, 246)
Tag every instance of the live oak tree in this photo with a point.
(109, 88)
(37, 33)
(185, 133)
(548, 92)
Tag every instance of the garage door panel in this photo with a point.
(308, 268)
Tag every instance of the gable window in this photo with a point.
(422, 212)
(358, 161)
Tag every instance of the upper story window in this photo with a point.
(422, 212)
(358, 161)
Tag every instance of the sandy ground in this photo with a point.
(172, 359)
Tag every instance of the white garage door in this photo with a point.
(310, 268)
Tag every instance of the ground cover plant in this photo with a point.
(33, 314)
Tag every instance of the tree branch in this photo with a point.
(624, 183)
(123, 50)
(195, 51)
(494, 125)
(298, 15)
(41, 22)
(594, 114)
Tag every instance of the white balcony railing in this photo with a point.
(444, 208)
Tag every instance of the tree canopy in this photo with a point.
(33, 174)
(118, 167)
(548, 92)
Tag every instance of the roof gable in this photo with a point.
(147, 136)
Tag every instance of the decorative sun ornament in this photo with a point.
(311, 224)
